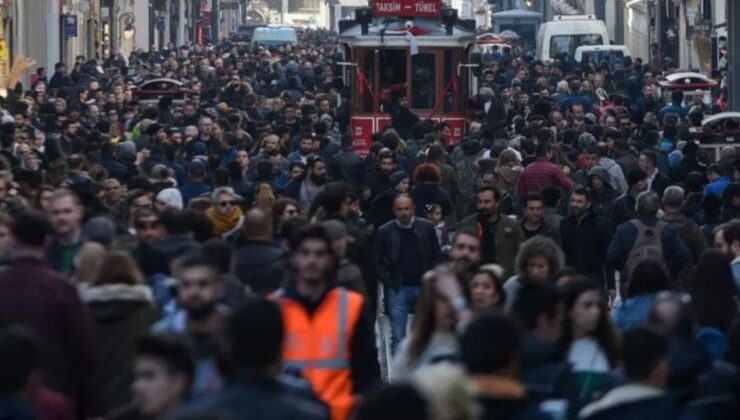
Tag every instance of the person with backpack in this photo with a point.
(644, 237)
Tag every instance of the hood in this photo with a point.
(601, 173)
(683, 223)
(471, 147)
(113, 303)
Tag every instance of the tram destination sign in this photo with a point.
(407, 8)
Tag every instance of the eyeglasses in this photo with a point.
(227, 203)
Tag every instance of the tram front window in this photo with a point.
(392, 75)
(423, 78)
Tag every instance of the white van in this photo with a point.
(273, 36)
(566, 33)
(596, 53)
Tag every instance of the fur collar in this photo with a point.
(113, 292)
(621, 395)
(499, 387)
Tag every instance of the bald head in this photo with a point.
(257, 225)
(403, 208)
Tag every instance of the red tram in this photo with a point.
(412, 53)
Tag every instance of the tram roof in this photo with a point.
(434, 34)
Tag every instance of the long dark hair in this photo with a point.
(713, 292)
(648, 277)
(604, 334)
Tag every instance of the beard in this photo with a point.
(484, 214)
(200, 312)
(318, 179)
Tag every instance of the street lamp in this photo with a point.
(128, 30)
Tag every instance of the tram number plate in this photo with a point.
(410, 8)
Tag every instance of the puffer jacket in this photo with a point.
(119, 313)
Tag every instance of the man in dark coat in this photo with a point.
(255, 262)
(584, 227)
(347, 166)
(33, 295)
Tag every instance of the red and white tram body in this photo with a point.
(410, 52)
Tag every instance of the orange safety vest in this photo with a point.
(319, 346)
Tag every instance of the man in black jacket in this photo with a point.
(405, 248)
(255, 262)
(347, 166)
(584, 227)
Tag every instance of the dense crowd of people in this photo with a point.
(577, 255)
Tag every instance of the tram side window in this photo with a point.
(422, 85)
(368, 69)
(392, 75)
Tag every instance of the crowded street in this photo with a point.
(383, 210)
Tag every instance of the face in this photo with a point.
(198, 291)
(403, 209)
(483, 292)
(538, 268)
(403, 187)
(586, 312)
(271, 144)
(533, 211)
(148, 229)
(466, 248)
(312, 260)
(577, 112)
(592, 160)
(66, 215)
(645, 164)
(45, 201)
(243, 158)
(486, 203)
(435, 215)
(578, 204)
(289, 212)
(225, 204)
(205, 126)
(142, 202)
(597, 183)
(306, 146)
(386, 164)
(290, 113)
(154, 388)
(112, 191)
(719, 242)
(318, 171)
(610, 122)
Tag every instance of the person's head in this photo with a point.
(647, 203)
(637, 180)
(434, 313)
(492, 345)
(433, 212)
(386, 161)
(119, 268)
(198, 286)
(224, 201)
(30, 231)
(20, 362)
(648, 161)
(645, 356)
(112, 191)
(592, 156)
(534, 207)
(677, 97)
(271, 144)
(577, 112)
(305, 146)
(66, 213)
(539, 258)
(167, 198)
(648, 277)
(580, 202)
(673, 199)
(242, 156)
(312, 255)
(6, 223)
(316, 170)
(284, 209)
(148, 228)
(205, 126)
(487, 201)
(163, 371)
(404, 209)
(465, 248)
(486, 289)
(394, 402)
(730, 237)
(713, 291)
(255, 335)
(586, 315)
(540, 309)
(427, 172)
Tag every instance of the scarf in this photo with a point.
(221, 223)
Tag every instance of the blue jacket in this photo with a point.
(573, 99)
(633, 312)
(717, 187)
(192, 190)
(673, 109)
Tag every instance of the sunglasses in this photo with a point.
(227, 203)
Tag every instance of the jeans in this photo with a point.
(400, 302)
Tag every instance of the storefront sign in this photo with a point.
(407, 8)
(70, 25)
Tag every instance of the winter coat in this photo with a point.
(120, 313)
(618, 182)
(507, 236)
(602, 202)
(464, 160)
(255, 265)
(633, 312)
(689, 233)
(574, 233)
(387, 245)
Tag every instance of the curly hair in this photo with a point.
(427, 172)
(540, 246)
